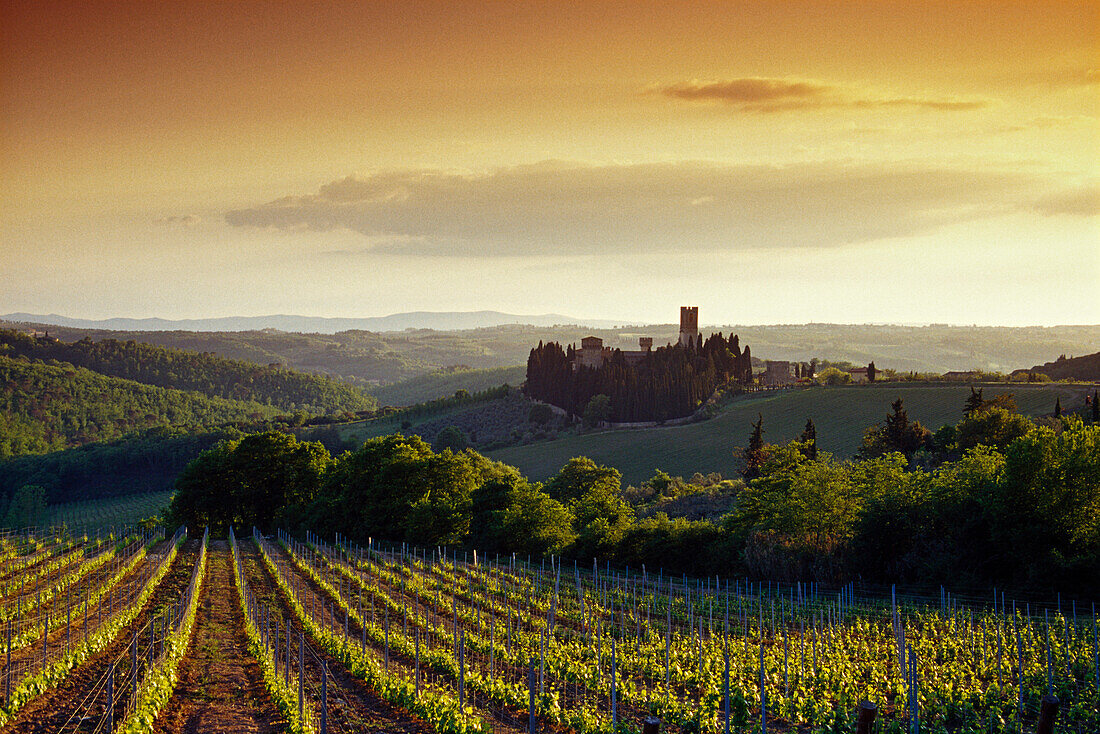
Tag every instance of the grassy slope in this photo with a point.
(840, 414)
(423, 388)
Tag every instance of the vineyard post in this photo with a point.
(531, 696)
(462, 671)
(68, 619)
(111, 698)
(416, 689)
(286, 667)
(324, 698)
(134, 666)
(301, 671)
(45, 638)
(726, 687)
(7, 668)
(614, 692)
(1047, 714)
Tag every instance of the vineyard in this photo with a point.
(142, 633)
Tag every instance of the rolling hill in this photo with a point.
(47, 407)
(1071, 368)
(205, 373)
(840, 414)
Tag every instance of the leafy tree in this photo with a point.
(833, 376)
(246, 482)
(540, 414)
(991, 426)
(601, 518)
(534, 524)
(808, 438)
(28, 507)
(755, 454)
(580, 475)
(597, 411)
(451, 437)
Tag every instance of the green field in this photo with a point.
(422, 388)
(840, 414)
(107, 512)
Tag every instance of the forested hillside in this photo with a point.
(1072, 368)
(47, 407)
(385, 357)
(213, 376)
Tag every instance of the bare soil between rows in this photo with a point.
(220, 686)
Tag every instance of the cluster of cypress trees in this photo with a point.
(670, 382)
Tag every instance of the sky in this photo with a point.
(770, 162)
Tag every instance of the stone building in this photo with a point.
(594, 354)
(779, 372)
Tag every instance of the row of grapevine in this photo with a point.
(700, 653)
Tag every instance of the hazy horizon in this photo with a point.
(805, 162)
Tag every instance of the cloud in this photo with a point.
(1081, 202)
(770, 94)
(557, 208)
(183, 220)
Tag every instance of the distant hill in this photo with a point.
(46, 407)
(1085, 368)
(213, 376)
(436, 320)
(379, 358)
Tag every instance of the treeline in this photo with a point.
(669, 382)
(47, 408)
(1022, 510)
(205, 373)
(148, 461)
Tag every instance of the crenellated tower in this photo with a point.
(689, 325)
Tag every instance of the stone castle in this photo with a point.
(594, 354)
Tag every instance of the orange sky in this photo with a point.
(147, 142)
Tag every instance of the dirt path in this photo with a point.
(56, 709)
(355, 707)
(221, 687)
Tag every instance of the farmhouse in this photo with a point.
(859, 374)
(779, 372)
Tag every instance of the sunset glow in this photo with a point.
(772, 162)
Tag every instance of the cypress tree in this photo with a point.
(809, 437)
(973, 403)
(871, 372)
(1095, 406)
(754, 456)
(1058, 408)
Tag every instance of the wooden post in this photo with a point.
(1047, 714)
(867, 713)
(651, 725)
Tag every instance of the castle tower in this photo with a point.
(646, 343)
(689, 325)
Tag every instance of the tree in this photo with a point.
(597, 411)
(540, 414)
(1095, 406)
(580, 475)
(871, 372)
(897, 433)
(451, 437)
(246, 482)
(1058, 408)
(28, 507)
(755, 454)
(974, 402)
(833, 376)
(808, 438)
